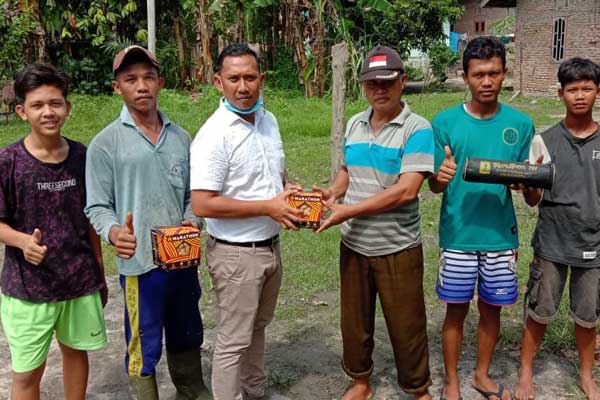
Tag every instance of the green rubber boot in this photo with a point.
(143, 387)
(185, 369)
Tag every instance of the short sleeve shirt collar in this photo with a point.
(127, 119)
(400, 119)
(230, 118)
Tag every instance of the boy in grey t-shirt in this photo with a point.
(567, 236)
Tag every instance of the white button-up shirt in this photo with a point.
(241, 161)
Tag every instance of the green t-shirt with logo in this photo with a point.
(480, 216)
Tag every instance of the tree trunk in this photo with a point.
(319, 55)
(179, 39)
(32, 7)
(239, 28)
(202, 54)
(297, 41)
(317, 33)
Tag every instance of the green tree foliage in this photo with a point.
(294, 36)
(95, 21)
(15, 30)
(504, 26)
(400, 24)
(441, 57)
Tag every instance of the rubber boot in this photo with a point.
(185, 369)
(143, 387)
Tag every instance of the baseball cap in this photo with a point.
(132, 50)
(381, 63)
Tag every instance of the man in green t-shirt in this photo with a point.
(478, 228)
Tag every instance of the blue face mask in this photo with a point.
(259, 103)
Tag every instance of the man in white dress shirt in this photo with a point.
(238, 185)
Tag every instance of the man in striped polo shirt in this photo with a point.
(388, 153)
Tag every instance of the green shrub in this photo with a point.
(414, 73)
(14, 35)
(285, 70)
(87, 75)
(441, 58)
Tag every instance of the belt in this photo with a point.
(261, 243)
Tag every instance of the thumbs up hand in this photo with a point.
(448, 167)
(33, 250)
(123, 238)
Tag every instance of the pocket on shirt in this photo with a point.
(177, 172)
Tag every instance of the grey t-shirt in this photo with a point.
(568, 227)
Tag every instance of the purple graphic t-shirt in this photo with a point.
(50, 197)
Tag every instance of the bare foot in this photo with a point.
(525, 389)
(485, 384)
(589, 387)
(360, 390)
(423, 396)
(451, 391)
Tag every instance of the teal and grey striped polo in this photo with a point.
(374, 163)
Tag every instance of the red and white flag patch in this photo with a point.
(378, 61)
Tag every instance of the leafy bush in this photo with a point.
(87, 75)
(414, 73)
(14, 35)
(441, 57)
(504, 26)
(166, 52)
(285, 70)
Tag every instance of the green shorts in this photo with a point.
(79, 324)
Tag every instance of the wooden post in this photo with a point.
(339, 64)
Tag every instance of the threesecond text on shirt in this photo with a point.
(57, 186)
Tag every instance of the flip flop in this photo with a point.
(488, 395)
(442, 394)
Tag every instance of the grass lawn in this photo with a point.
(311, 261)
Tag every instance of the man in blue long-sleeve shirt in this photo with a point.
(137, 177)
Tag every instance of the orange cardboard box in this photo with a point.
(176, 247)
(311, 204)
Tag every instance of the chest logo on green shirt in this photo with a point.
(510, 136)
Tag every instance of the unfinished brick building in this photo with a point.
(476, 20)
(547, 33)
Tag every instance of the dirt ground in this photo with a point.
(303, 359)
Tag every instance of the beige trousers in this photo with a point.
(246, 282)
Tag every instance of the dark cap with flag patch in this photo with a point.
(381, 63)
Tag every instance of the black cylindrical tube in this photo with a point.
(508, 172)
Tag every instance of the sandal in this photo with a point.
(488, 395)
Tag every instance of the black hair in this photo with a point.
(35, 75)
(483, 48)
(578, 69)
(235, 50)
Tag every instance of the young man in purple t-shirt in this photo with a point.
(53, 278)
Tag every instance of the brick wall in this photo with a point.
(535, 70)
(473, 13)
